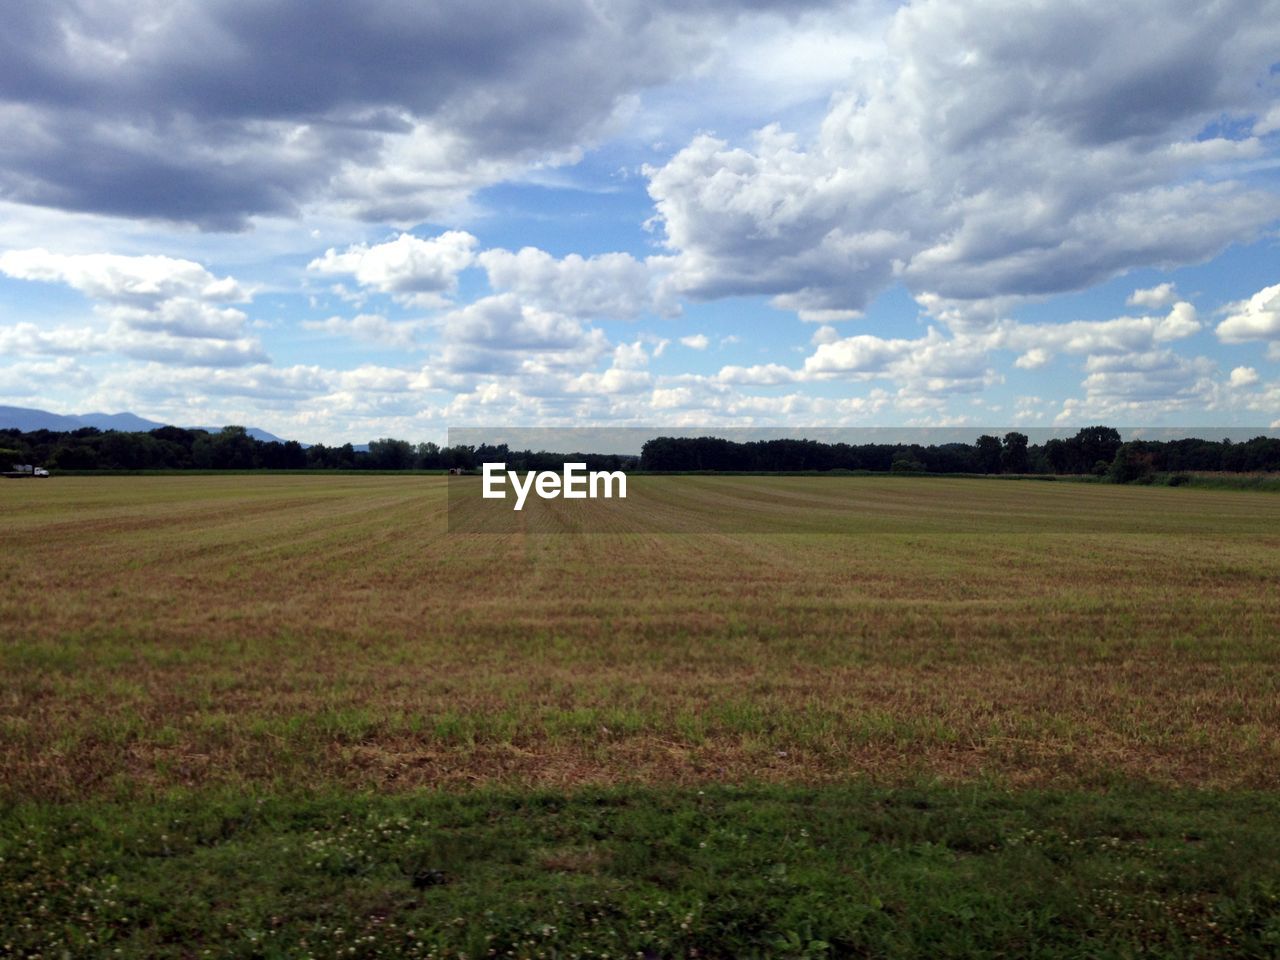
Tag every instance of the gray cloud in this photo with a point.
(213, 112)
(999, 149)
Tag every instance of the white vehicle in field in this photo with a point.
(25, 470)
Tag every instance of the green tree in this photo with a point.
(1098, 443)
(234, 449)
(79, 456)
(988, 449)
(427, 456)
(389, 454)
(1013, 457)
(905, 463)
(1132, 464)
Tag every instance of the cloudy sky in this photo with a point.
(342, 220)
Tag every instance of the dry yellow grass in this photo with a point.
(299, 631)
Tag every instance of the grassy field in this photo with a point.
(1093, 661)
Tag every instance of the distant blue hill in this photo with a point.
(29, 418)
(128, 422)
(255, 432)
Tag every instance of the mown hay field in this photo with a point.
(270, 716)
(284, 631)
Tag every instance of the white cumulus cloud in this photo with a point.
(608, 285)
(1257, 318)
(140, 281)
(1243, 377)
(415, 271)
(368, 327)
(148, 307)
(1161, 295)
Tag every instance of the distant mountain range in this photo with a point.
(28, 418)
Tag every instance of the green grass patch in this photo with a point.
(1266, 482)
(846, 871)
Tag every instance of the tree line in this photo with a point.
(232, 448)
(1096, 450)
